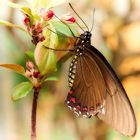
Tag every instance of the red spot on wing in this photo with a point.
(78, 107)
(92, 108)
(84, 109)
(72, 99)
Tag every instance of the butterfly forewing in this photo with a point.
(87, 97)
(117, 110)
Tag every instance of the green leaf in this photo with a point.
(46, 58)
(6, 23)
(62, 28)
(15, 67)
(21, 90)
(26, 10)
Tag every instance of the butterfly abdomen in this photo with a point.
(72, 70)
(73, 64)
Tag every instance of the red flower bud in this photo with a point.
(50, 14)
(72, 20)
(68, 18)
(36, 74)
(46, 15)
(26, 21)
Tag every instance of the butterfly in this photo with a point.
(95, 89)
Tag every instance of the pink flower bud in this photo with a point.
(50, 14)
(28, 74)
(29, 65)
(46, 14)
(68, 18)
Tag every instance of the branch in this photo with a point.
(33, 116)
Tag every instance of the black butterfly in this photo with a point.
(95, 89)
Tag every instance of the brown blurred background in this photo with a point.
(116, 34)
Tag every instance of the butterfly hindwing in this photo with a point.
(86, 97)
(117, 110)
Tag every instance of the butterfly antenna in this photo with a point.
(93, 20)
(80, 26)
(52, 31)
(57, 33)
(71, 50)
(66, 25)
(78, 16)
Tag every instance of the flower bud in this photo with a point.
(39, 27)
(29, 65)
(68, 18)
(46, 14)
(50, 14)
(26, 21)
(36, 74)
(28, 74)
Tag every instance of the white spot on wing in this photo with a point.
(103, 111)
(76, 113)
(74, 108)
(85, 116)
(68, 102)
(70, 107)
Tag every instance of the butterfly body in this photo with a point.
(95, 89)
(80, 45)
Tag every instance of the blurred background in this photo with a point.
(116, 34)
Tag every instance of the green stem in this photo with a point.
(33, 116)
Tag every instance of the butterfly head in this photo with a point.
(86, 37)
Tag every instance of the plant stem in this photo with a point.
(33, 116)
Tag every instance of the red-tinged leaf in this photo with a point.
(15, 67)
(21, 90)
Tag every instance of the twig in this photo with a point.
(33, 116)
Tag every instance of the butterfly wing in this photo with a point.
(88, 89)
(117, 110)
